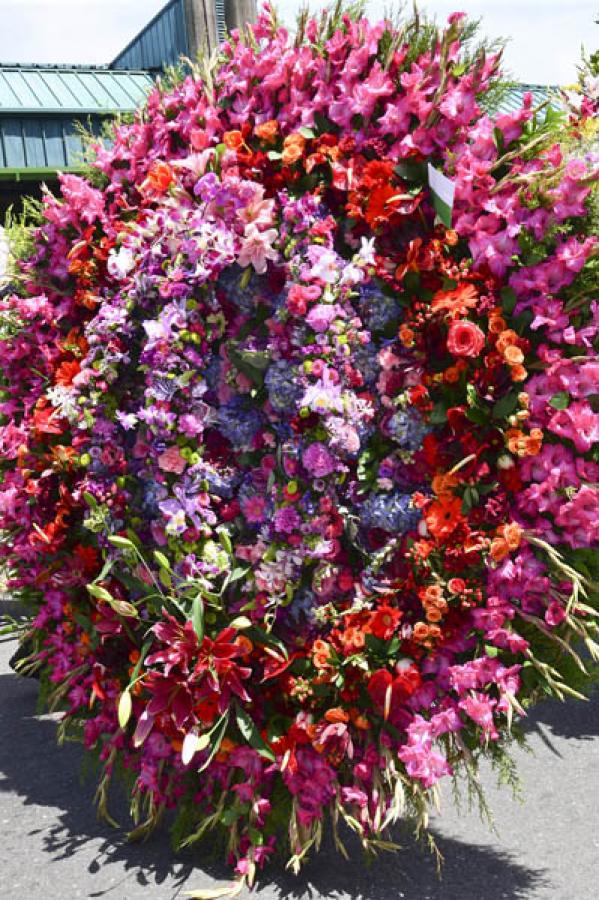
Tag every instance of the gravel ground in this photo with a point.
(53, 848)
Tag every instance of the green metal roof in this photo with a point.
(71, 90)
(41, 108)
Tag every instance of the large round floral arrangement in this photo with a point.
(301, 475)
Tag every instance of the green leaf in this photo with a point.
(225, 539)
(323, 123)
(470, 498)
(439, 414)
(412, 171)
(499, 140)
(508, 300)
(197, 616)
(263, 637)
(216, 736)
(142, 655)
(251, 363)
(306, 132)
(274, 154)
(162, 560)
(471, 395)
(165, 578)
(561, 400)
(374, 644)
(505, 406)
(477, 415)
(249, 731)
(237, 573)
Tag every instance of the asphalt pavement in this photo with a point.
(52, 847)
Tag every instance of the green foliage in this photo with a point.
(19, 229)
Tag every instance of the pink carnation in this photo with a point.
(318, 461)
(172, 461)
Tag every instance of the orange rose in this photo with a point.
(233, 140)
(433, 593)
(420, 631)
(513, 355)
(293, 148)
(496, 324)
(433, 614)
(518, 373)
(267, 131)
(506, 338)
(534, 441)
(451, 375)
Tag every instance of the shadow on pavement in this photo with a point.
(572, 719)
(33, 767)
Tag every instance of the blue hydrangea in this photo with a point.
(244, 298)
(212, 373)
(407, 428)
(378, 311)
(365, 361)
(281, 382)
(223, 484)
(152, 492)
(303, 605)
(389, 512)
(239, 422)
